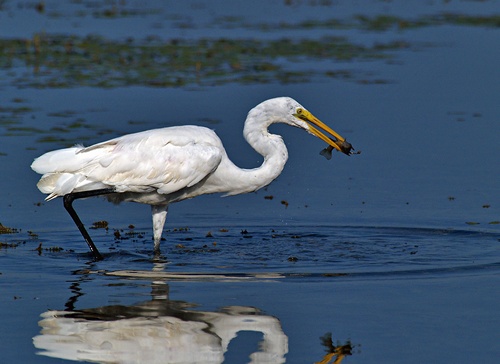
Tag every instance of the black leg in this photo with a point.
(68, 205)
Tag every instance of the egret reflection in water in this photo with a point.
(156, 331)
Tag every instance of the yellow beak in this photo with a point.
(338, 142)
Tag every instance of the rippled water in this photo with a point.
(282, 291)
(391, 255)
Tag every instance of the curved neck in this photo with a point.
(233, 180)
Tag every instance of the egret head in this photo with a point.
(287, 110)
(302, 118)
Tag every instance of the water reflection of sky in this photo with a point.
(419, 100)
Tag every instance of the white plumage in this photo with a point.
(164, 160)
(162, 166)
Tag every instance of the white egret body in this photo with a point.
(162, 166)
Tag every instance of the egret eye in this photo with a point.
(299, 111)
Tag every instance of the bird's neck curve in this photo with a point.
(270, 146)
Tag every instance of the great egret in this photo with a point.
(161, 166)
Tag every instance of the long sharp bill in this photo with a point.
(338, 142)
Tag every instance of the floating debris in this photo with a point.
(103, 224)
(52, 249)
(181, 229)
(32, 234)
(9, 245)
(8, 230)
(246, 234)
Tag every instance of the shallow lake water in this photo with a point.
(391, 255)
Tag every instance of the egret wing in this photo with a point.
(166, 160)
(163, 160)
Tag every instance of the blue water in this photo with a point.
(394, 252)
(368, 286)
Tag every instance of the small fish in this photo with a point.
(345, 147)
(327, 152)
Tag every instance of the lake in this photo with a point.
(390, 255)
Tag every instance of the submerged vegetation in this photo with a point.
(71, 61)
(58, 61)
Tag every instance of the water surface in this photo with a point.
(387, 256)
